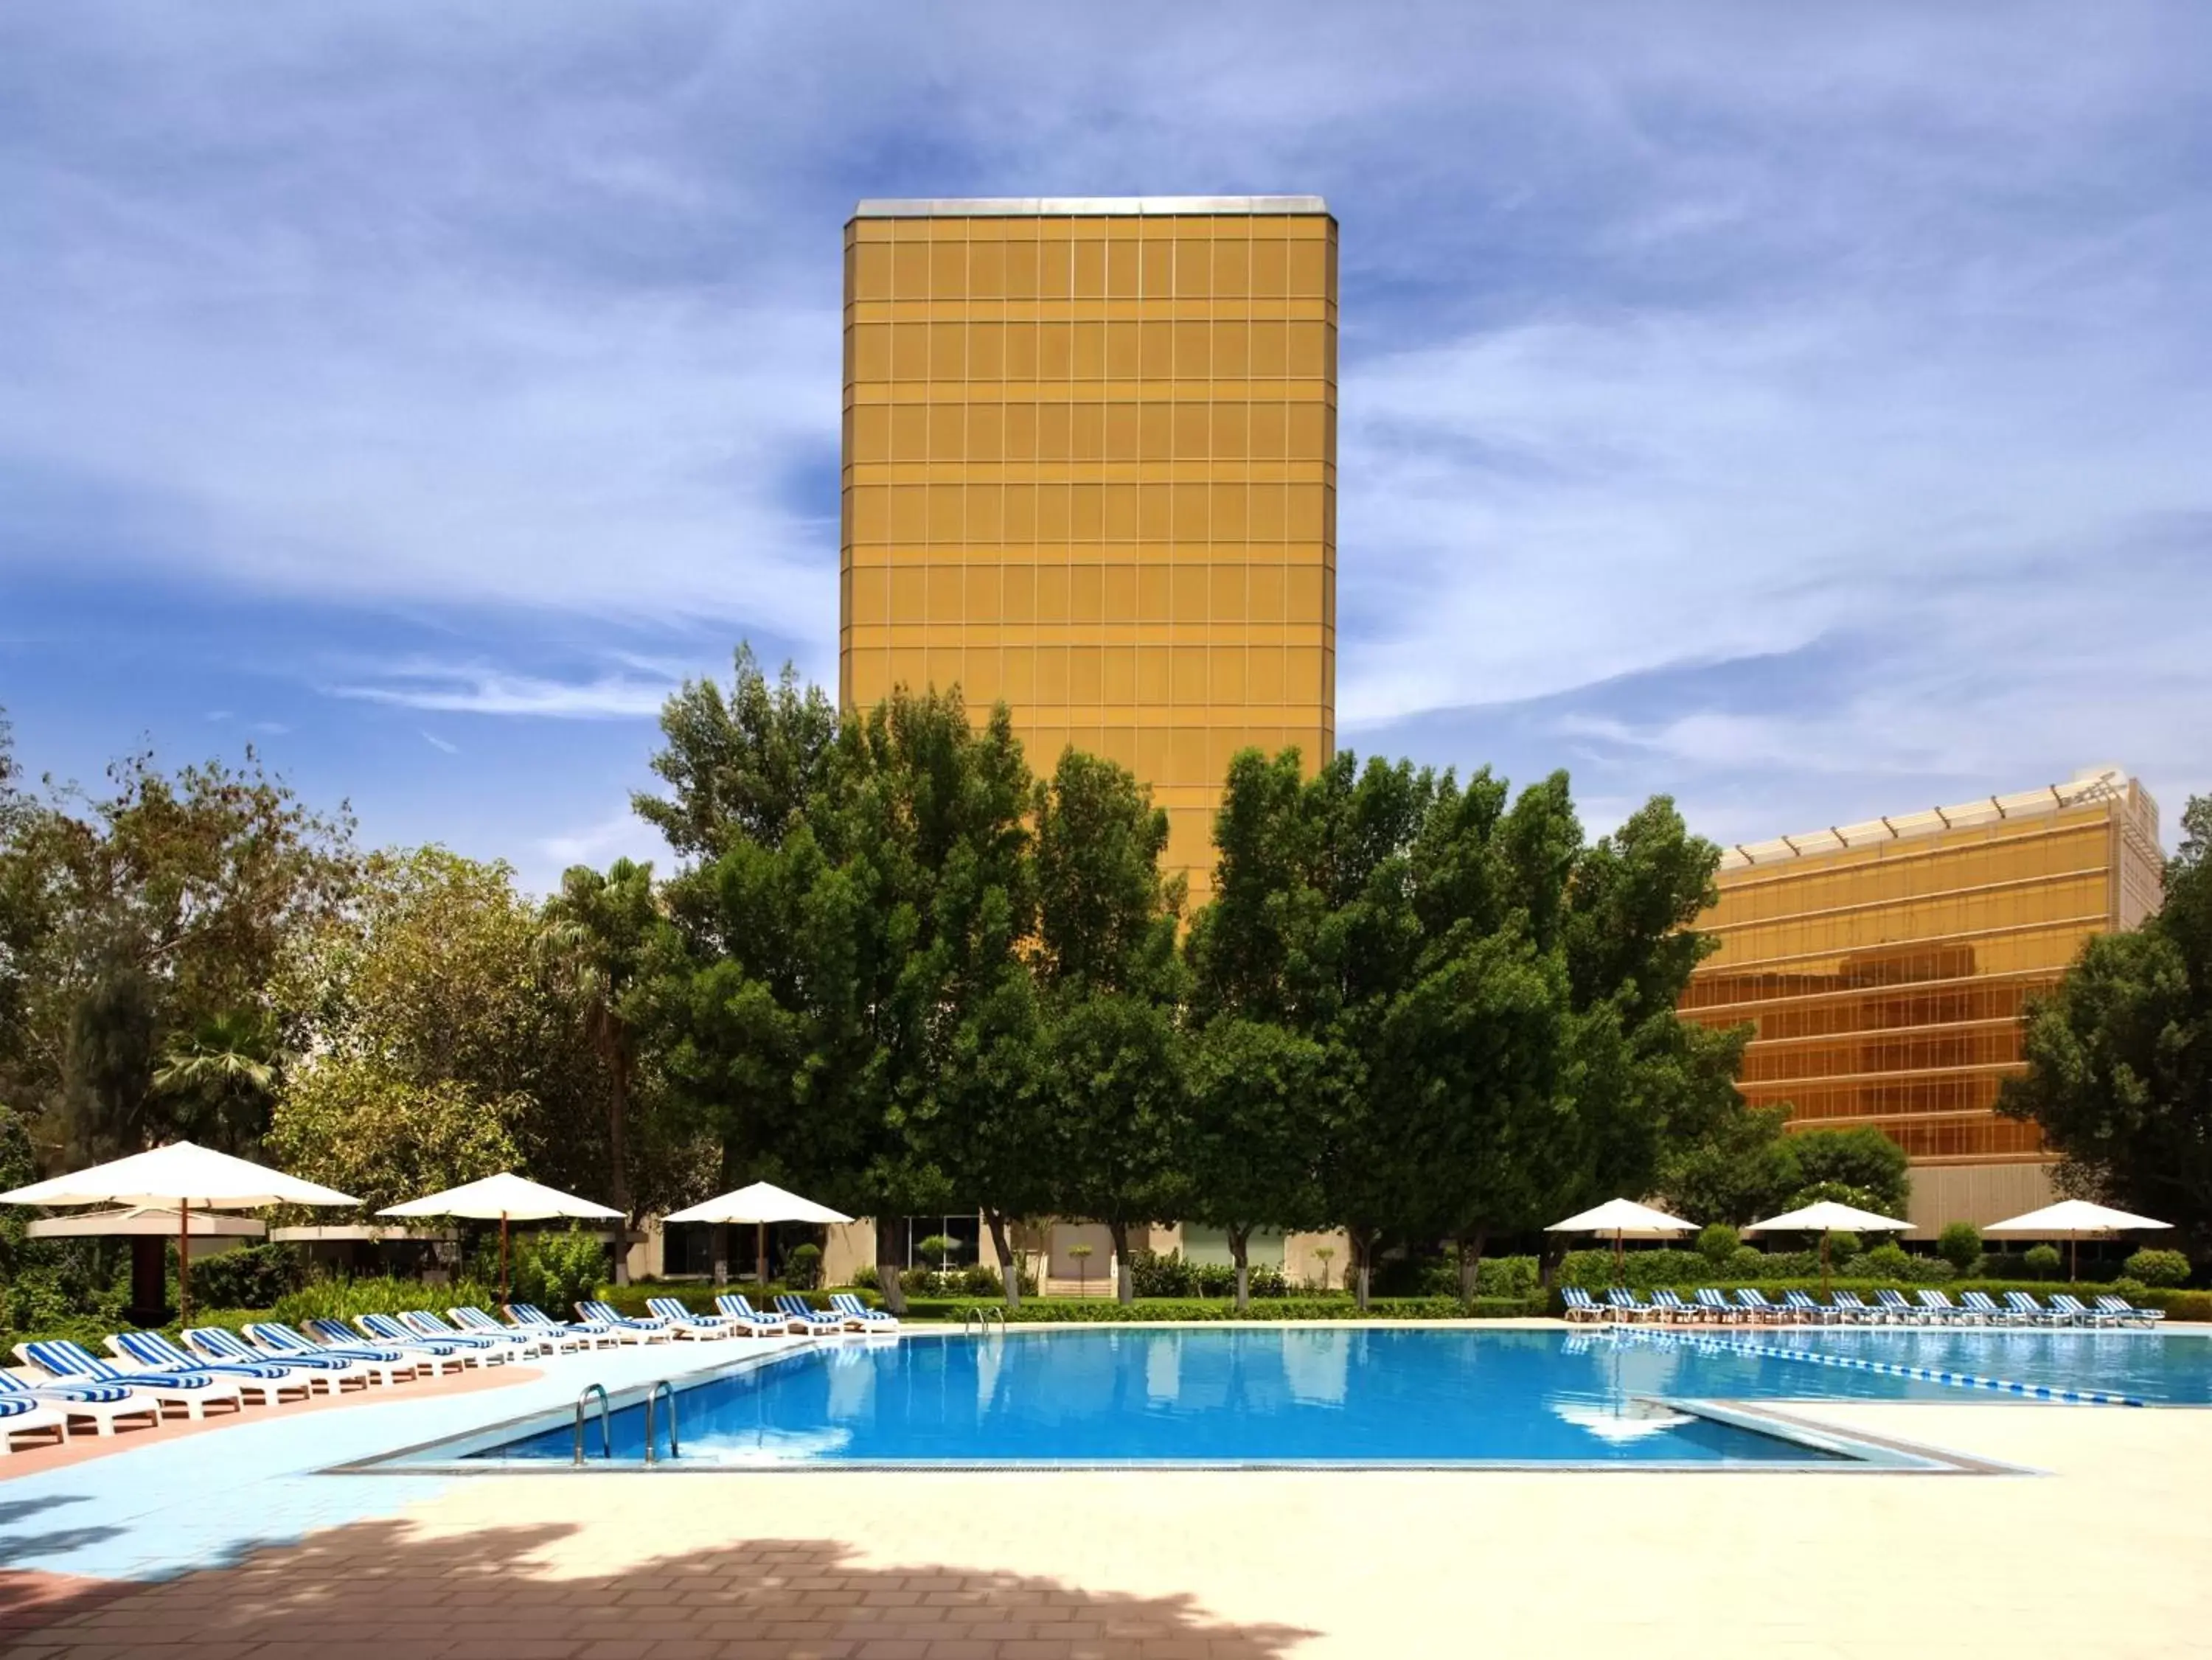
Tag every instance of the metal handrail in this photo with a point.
(651, 1395)
(982, 1317)
(606, 1431)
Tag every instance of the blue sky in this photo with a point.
(1801, 411)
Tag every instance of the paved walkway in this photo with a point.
(1162, 1566)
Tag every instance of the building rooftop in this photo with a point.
(2091, 784)
(983, 207)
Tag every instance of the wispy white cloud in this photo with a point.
(477, 691)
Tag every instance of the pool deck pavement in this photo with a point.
(226, 1543)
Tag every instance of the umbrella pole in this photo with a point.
(1620, 1261)
(760, 1254)
(1824, 1264)
(184, 1263)
(502, 1258)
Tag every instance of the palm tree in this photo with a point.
(596, 930)
(226, 1073)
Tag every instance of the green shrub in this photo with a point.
(1842, 1246)
(865, 1278)
(802, 1265)
(1746, 1263)
(1960, 1245)
(2157, 1268)
(554, 1269)
(345, 1299)
(1888, 1261)
(1718, 1243)
(2042, 1261)
(2182, 1305)
(250, 1277)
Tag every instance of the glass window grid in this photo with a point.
(1090, 470)
(1886, 986)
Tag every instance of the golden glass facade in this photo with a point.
(1090, 470)
(1886, 964)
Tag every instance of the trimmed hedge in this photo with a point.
(1099, 1311)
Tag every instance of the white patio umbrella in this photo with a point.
(181, 1175)
(507, 1196)
(1625, 1220)
(1823, 1216)
(759, 1204)
(2073, 1221)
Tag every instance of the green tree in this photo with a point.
(1110, 982)
(1863, 1159)
(2119, 1056)
(599, 930)
(350, 1122)
(1257, 1119)
(131, 921)
(224, 1077)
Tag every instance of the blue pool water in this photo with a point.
(1267, 1395)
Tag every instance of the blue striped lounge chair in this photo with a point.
(874, 1319)
(683, 1322)
(271, 1381)
(1978, 1303)
(2078, 1312)
(101, 1405)
(1755, 1306)
(390, 1330)
(1894, 1306)
(275, 1337)
(1804, 1308)
(2032, 1312)
(502, 1341)
(1713, 1304)
(528, 1317)
(1670, 1306)
(734, 1307)
(216, 1346)
(1581, 1306)
(1850, 1310)
(2124, 1312)
(473, 1321)
(25, 1415)
(1626, 1305)
(1937, 1306)
(195, 1390)
(652, 1329)
(798, 1308)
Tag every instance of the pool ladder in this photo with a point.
(982, 1317)
(606, 1432)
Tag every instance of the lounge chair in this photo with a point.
(22, 1414)
(1755, 1306)
(1851, 1311)
(799, 1308)
(195, 1390)
(685, 1322)
(652, 1329)
(2033, 1312)
(99, 1404)
(2126, 1313)
(218, 1346)
(587, 1334)
(1581, 1306)
(1894, 1306)
(1628, 1305)
(1979, 1302)
(268, 1380)
(1714, 1304)
(2078, 1312)
(472, 1321)
(507, 1343)
(854, 1309)
(1938, 1308)
(274, 1337)
(1669, 1305)
(387, 1329)
(1801, 1305)
(737, 1306)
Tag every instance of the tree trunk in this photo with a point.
(721, 1253)
(1363, 1255)
(1239, 1238)
(1010, 1265)
(1125, 1283)
(888, 1267)
(618, 1158)
(1470, 1264)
